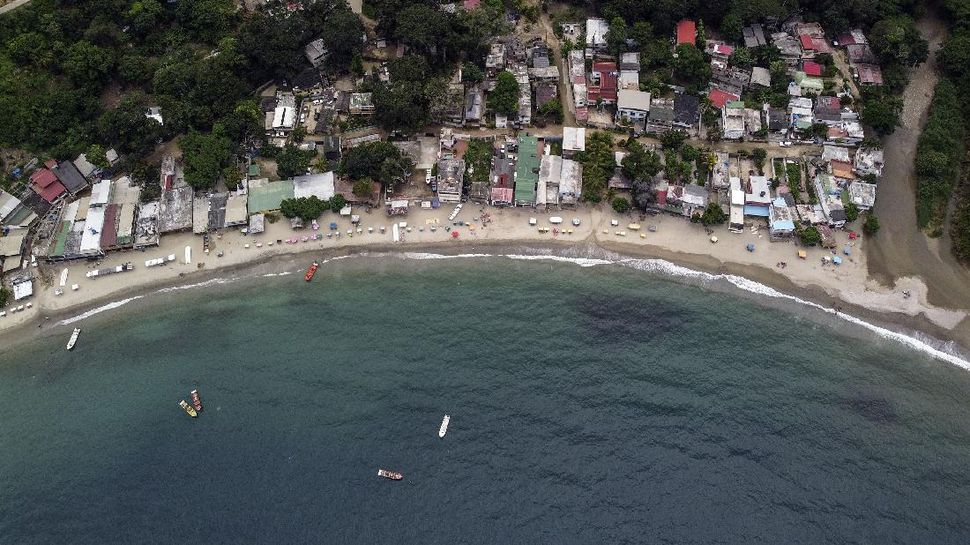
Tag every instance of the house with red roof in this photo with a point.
(471, 4)
(719, 98)
(686, 32)
(45, 183)
(604, 81)
(812, 68)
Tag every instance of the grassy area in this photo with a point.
(793, 175)
(479, 159)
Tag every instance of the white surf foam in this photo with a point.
(581, 261)
(99, 310)
(210, 282)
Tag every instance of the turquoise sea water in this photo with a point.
(589, 405)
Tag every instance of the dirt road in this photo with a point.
(901, 249)
(12, 5)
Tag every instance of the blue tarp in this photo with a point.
(783, 225)
(751, 210)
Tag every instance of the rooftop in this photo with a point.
(686, 32)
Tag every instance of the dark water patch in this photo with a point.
(873, 408)
(612, 319)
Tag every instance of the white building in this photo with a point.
(862, 194)
(573, 141)
(732, 120)
(632, 105)
(570, 182)
(596, 30)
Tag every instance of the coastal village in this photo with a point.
(783, 180)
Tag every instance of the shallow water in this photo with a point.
(588, 405)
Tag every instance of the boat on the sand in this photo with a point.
(392, 475)
(188, 409)
(74, 336)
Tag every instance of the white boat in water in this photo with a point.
(74, 336)
(444, 426)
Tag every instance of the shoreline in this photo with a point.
(46, 321)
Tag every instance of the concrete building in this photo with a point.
(632, 105)
(451, 177)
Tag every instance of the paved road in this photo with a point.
(13, 5)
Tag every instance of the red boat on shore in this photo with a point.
(311, 271)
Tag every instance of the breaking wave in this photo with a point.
(99, 310)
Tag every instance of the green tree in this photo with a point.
(621, 205)
(363, 188)
(337, 202)
(379, 161)
(343, 37)
(954, 56)
(4, 296)
(206, 20)
(691, 66)
(701, 40)
(87, 64)
(851, 212)
(357, 65)
(552, 110)
(896, 39)
(232, 176)
(713, 215)
(640, 164)
(742, 58)
(673, 139)
(292, 161)
(810, 236)
(127, 129)
(97, 156)
(144, 16)
(882, 113)
(598, 163)
(759, 155)
(471, 73)
(616, 36)
(641, 33)
(871, 225)
(504, 99)
(204, 156)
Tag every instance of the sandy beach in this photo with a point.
(675, 239)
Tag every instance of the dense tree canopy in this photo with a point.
(379, 161)
(504, 99)
(195, 59)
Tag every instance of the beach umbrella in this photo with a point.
(714, 240)
(802, 254)
(454, 234)
(750, 247)
(837, 260)
(846, 250)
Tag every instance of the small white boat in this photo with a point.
(74, 336)
(444, 426)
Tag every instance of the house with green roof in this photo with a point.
(527, 171)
